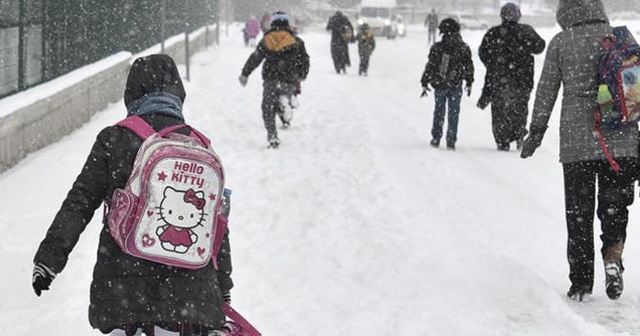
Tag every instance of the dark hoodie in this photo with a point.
(459, 66)
(284, 54)
(572, 62)
(153, 74)
(126, 289)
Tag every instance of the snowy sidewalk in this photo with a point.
(355, 226)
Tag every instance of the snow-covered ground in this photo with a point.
(355, 226)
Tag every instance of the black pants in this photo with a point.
(615, 192)
(185, 329)
(509, 111)
(272, 90)
(364, 63)
(340, 55)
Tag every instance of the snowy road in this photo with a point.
(355, 226)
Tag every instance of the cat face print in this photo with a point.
(182, 208)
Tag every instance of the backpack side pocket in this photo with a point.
(121, 214)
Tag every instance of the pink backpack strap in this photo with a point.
(142, 129)
(603, 144)
(138, 126)
(244, 328)
(220, 232)
(194, 133)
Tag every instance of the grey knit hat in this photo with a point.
(510, 12)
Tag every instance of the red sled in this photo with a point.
(239, 326)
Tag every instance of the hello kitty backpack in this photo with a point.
(618, 82)
(168, 212)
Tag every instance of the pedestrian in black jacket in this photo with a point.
(449, 64)
(507, 52)
(341, 35)
(286, 64)
(129, 294)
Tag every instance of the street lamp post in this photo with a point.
(162, 23)
(186, 37)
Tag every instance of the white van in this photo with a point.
(380, 16)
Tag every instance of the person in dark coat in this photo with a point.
(507, 52)
(431, 22)
(286, 64)
(366, 45)
(129, 294)
(449, 64)
(590, 182)
(341, 35)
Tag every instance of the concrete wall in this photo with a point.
(77, 98)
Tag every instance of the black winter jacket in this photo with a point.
(284, 54)
(507, 53)
(341, 30)
(449, 63)
(126, 289)
(366, 43)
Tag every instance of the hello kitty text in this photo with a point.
(186, 172)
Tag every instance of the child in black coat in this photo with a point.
(366, 45)
(130, 295)
(449, 64)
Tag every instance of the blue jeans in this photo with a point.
(442, 96)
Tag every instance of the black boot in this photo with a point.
(451, 145)
(504, 146)
(274, 143)
(579, 293)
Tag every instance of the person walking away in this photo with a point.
(590, 182)
(366, 45)
(431, 22)
(341, 35)
(507, 52)
(449, 64)
(252, 30)
(286, 64)
(130, 295)
(265, 22)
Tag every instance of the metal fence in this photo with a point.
(41, 39)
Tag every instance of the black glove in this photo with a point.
(468, 90)
(226, 297)
(425, 89)
(243, 80)
(42, 278)
(533, 141)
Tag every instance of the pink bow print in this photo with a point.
(190, 197)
